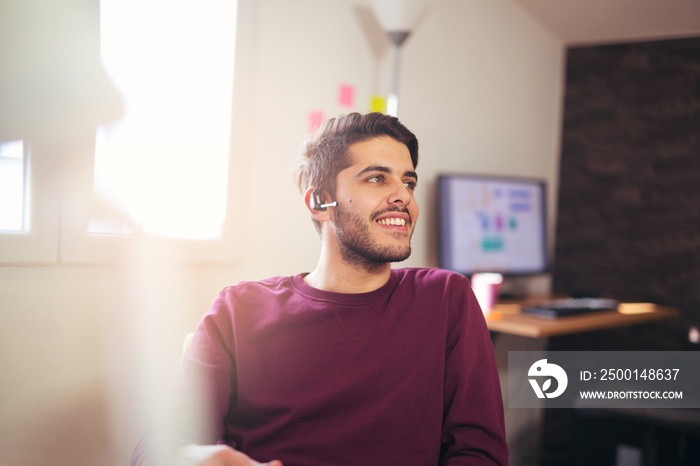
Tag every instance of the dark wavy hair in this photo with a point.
(326, 153)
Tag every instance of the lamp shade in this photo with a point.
(400, 15)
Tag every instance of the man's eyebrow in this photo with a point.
(383, 169)
(374, 168)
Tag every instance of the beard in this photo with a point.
(359, 247)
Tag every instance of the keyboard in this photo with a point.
(564, 307)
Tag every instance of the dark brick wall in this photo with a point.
(629, 201)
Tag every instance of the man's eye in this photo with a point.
(411, 185)
(376, 179)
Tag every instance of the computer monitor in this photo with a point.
(492, 224)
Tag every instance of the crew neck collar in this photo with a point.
(345, 298)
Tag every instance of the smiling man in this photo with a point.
(355, 363)
(372, 222)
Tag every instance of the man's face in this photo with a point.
(376, 211)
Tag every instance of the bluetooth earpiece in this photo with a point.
(316, 203)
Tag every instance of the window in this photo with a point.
(165, 164)
(164, 168)
(13, 187)
(29, 206)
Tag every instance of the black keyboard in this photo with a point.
(570, 306)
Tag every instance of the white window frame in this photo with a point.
(39, 243)
(60, 208)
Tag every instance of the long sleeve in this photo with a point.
(474, 427)
(404, 374)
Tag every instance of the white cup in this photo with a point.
(486, 287)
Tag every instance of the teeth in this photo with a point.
(392, 221)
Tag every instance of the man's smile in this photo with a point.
(400, 219)
(392, 221)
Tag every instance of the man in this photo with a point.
(354, 363)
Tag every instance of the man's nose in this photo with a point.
(400, 194)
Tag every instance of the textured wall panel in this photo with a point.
(629, 201)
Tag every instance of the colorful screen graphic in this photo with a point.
(492, 224)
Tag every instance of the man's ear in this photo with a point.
(321, 215)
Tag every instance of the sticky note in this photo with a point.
(377, 104)
(346, 96)
(315, 120)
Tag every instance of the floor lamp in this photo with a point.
(398, 18)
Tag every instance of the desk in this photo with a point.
(506, 318)
(524, 332)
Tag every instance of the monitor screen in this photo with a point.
(492, 224)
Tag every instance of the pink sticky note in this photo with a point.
(346, 97)
(315, 120)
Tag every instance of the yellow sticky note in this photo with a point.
(377, 104)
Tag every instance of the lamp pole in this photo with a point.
(392, 102)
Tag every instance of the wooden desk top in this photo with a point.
(506, 318)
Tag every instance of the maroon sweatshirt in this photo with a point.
(403, 375)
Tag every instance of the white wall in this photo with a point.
(481, 86)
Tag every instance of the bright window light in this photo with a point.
(13, 187)
(165, 164)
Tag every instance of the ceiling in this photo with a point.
(579, 22)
